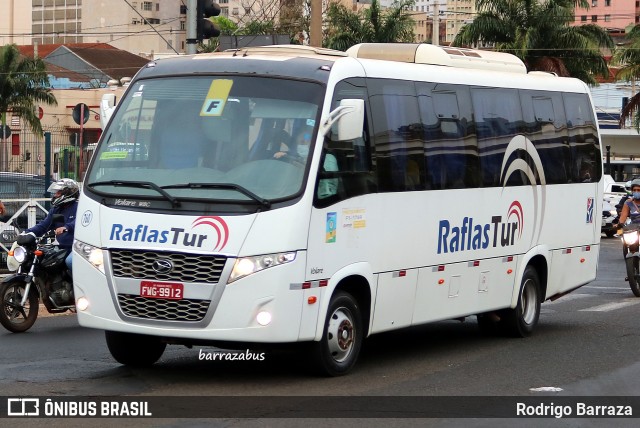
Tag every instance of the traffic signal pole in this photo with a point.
(192, 17)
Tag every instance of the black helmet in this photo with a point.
(69, 191)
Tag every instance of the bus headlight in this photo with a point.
(245, 266)
(630, 238)
(20, 254)
(90, 253)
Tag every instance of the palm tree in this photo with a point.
(372, 25)
(23, 84)
(538, 32)
(629, 59)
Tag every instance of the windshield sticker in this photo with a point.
(114, 155)
(311, 122)
(216, 97)
(331, 227)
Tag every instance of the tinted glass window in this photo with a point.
(450, 150)
(583, 138)
(397, 134)
(545, 126)
(498, 118)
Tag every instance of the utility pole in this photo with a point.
(315, 38)
(435, 35)
(192, 19)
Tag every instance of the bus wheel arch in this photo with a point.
(521, 320)
(343, 328)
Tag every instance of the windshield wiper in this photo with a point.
(264, 202)
(141, 184)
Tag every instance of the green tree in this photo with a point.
(227, 27)
(540, 34)
(372, 25)
(628, 58)
(23, 85)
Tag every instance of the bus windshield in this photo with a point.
(229, 138)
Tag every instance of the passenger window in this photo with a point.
(498, 118)
(545, 127)
(398, 135)
(450, 151)
(583, 139)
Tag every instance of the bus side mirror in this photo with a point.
(349, 126)
(107, 106)
(346, 121)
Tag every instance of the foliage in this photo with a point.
(23, 85)
(372, 25)
(629, 59)
(539, 33)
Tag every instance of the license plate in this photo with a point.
(161, 290)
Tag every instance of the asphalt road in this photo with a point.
(586, 344)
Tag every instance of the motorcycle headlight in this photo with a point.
(93, 255)
(630, 238)
(248, 265)
(20, 254)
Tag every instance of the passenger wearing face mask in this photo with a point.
(299, 154)
(631, 208)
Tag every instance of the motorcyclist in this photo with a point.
(631, 207)
(64, 201)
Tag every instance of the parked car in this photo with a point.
(609, 219)
(613, 191)
(15, 185)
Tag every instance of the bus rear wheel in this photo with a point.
(338, 350)
(520, 321)
(134, 350)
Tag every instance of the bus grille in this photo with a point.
(186, 267)
(161, 309)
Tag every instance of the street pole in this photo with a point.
(78, 167)
(192, 18)
(315, 28)
(435, 37)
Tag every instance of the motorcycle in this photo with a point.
(631, 251)
(42, 276)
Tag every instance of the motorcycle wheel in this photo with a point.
(13, 317)
(632, 275)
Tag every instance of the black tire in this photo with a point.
(337, 352)
(632, 275)
(520, 321)
(134, 350)
(610, 233)
(13, 317)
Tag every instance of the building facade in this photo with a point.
(614, 15)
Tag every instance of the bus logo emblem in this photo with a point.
(589, 210)
(162, 265)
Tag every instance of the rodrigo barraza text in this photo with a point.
(578, 409)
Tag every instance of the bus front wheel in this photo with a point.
(338, 350)
(134, 350)
(520, 321)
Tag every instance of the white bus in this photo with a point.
(440, 183)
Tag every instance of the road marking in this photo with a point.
(605, 288)
(568, 297)
(546, 389)
(612, 306)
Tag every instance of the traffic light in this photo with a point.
(205, 28)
